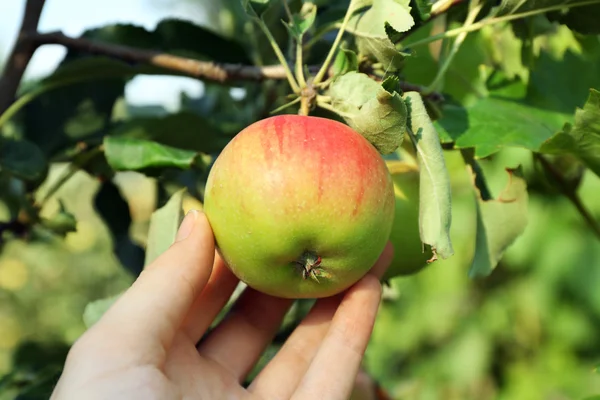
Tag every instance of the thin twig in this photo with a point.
(495, 20)
(332, 50)
(20, 55)
(437, 81)
(570, 193)
(438, 9)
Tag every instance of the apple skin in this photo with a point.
(410, 256)
(289, 189)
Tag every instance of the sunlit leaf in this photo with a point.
(582, 139)
(435, 209)
(352, 90)
(382, 120)
(495, 122)
(164, 224)
(499, 222)
(371, 30)
(303, 21)
(377, 114)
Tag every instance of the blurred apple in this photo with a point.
(409, 254)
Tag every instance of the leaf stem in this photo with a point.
(437, 81)
(299, 63)
(286, 105)
(279, 54)
(321, 74)
(494, 20)
(570, 194)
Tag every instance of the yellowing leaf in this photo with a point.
(164, 224)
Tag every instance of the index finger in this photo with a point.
(151, 311)
(333, 370)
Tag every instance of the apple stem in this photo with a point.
(310, 263)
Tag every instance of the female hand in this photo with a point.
(145, 345)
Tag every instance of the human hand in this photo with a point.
(144, 347)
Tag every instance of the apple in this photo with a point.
(300, 206)
(410, 255)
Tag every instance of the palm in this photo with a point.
(144, 347)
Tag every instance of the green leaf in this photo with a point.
(128, 154)
(382, 120)
(73, 105)
(579, 19)
(435, 209)
(95, 310)
(256, 7)
(164, 224)
(185, 130)
(371, 30)
(420, 10)
(303, 21)
(581, 139)
(378, 115)
(22, 159)
(173, 36)
(465, 79)
(352, 90)
(180, 37)
(507, 7)
(562, 83)
(62, 222)
(499, 222)
(345, 61)
(495, 122)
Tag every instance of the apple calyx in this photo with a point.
(310, 266)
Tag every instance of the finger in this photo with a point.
(384, 261)
(239, 340)
(280, 377)
(333, 370)
(151, 311)
(211, 300)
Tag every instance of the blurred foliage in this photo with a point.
(79, 216)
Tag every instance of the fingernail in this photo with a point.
(187, 225)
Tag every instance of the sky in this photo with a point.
(73, 17)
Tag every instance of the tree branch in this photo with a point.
(194, 68)
(20, 55)
(204, 70)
